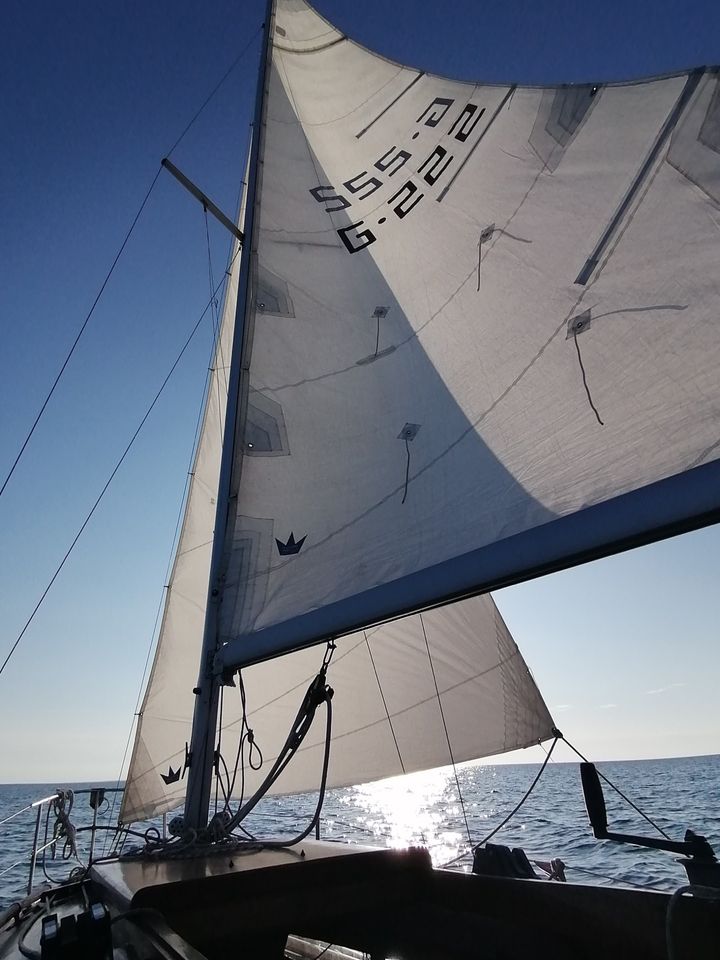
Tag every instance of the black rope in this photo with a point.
(218, 755)
(110, 272)
(317, 692)
(515, 809)
(585, 383)
(247, 736)
(26, 951)
(447, 735)
(407, 471)
(618, 791)
(117, 466)
(525, 796)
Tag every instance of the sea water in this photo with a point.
(426, 809)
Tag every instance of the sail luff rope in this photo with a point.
(447, 735)
(105, 487)
(114, 263)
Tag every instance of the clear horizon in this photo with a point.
(485, 761)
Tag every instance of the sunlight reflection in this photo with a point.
(410, 810)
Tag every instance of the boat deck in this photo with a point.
(393, 903)
(383, 903)
(317, 889)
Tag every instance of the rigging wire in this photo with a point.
(218, 359)
(114, 263)
(516, 807)
(447, 735)
(188, 479)
(524, 797)
(607, 876)
(215, 89)
(100, 496)
(221, 827)
(80, 332)
(171, 558)
(559, 736)
(616, 789)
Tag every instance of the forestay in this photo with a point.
(484, 345)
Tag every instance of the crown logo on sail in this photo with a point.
(292, 546)
(172, 776)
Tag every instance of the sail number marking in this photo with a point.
(406, 198)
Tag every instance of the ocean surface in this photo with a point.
(425, 809)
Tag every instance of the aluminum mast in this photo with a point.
(202, 742)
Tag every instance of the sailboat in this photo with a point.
(469, 338)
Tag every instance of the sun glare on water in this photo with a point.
(416, 809)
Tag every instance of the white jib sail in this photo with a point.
(387, 717)
(479, 312)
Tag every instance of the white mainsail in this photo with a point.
(480, 311)
(483, 343)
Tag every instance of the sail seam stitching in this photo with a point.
(447, 734)
(387, 712)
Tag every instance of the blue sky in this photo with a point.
(625, 650)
